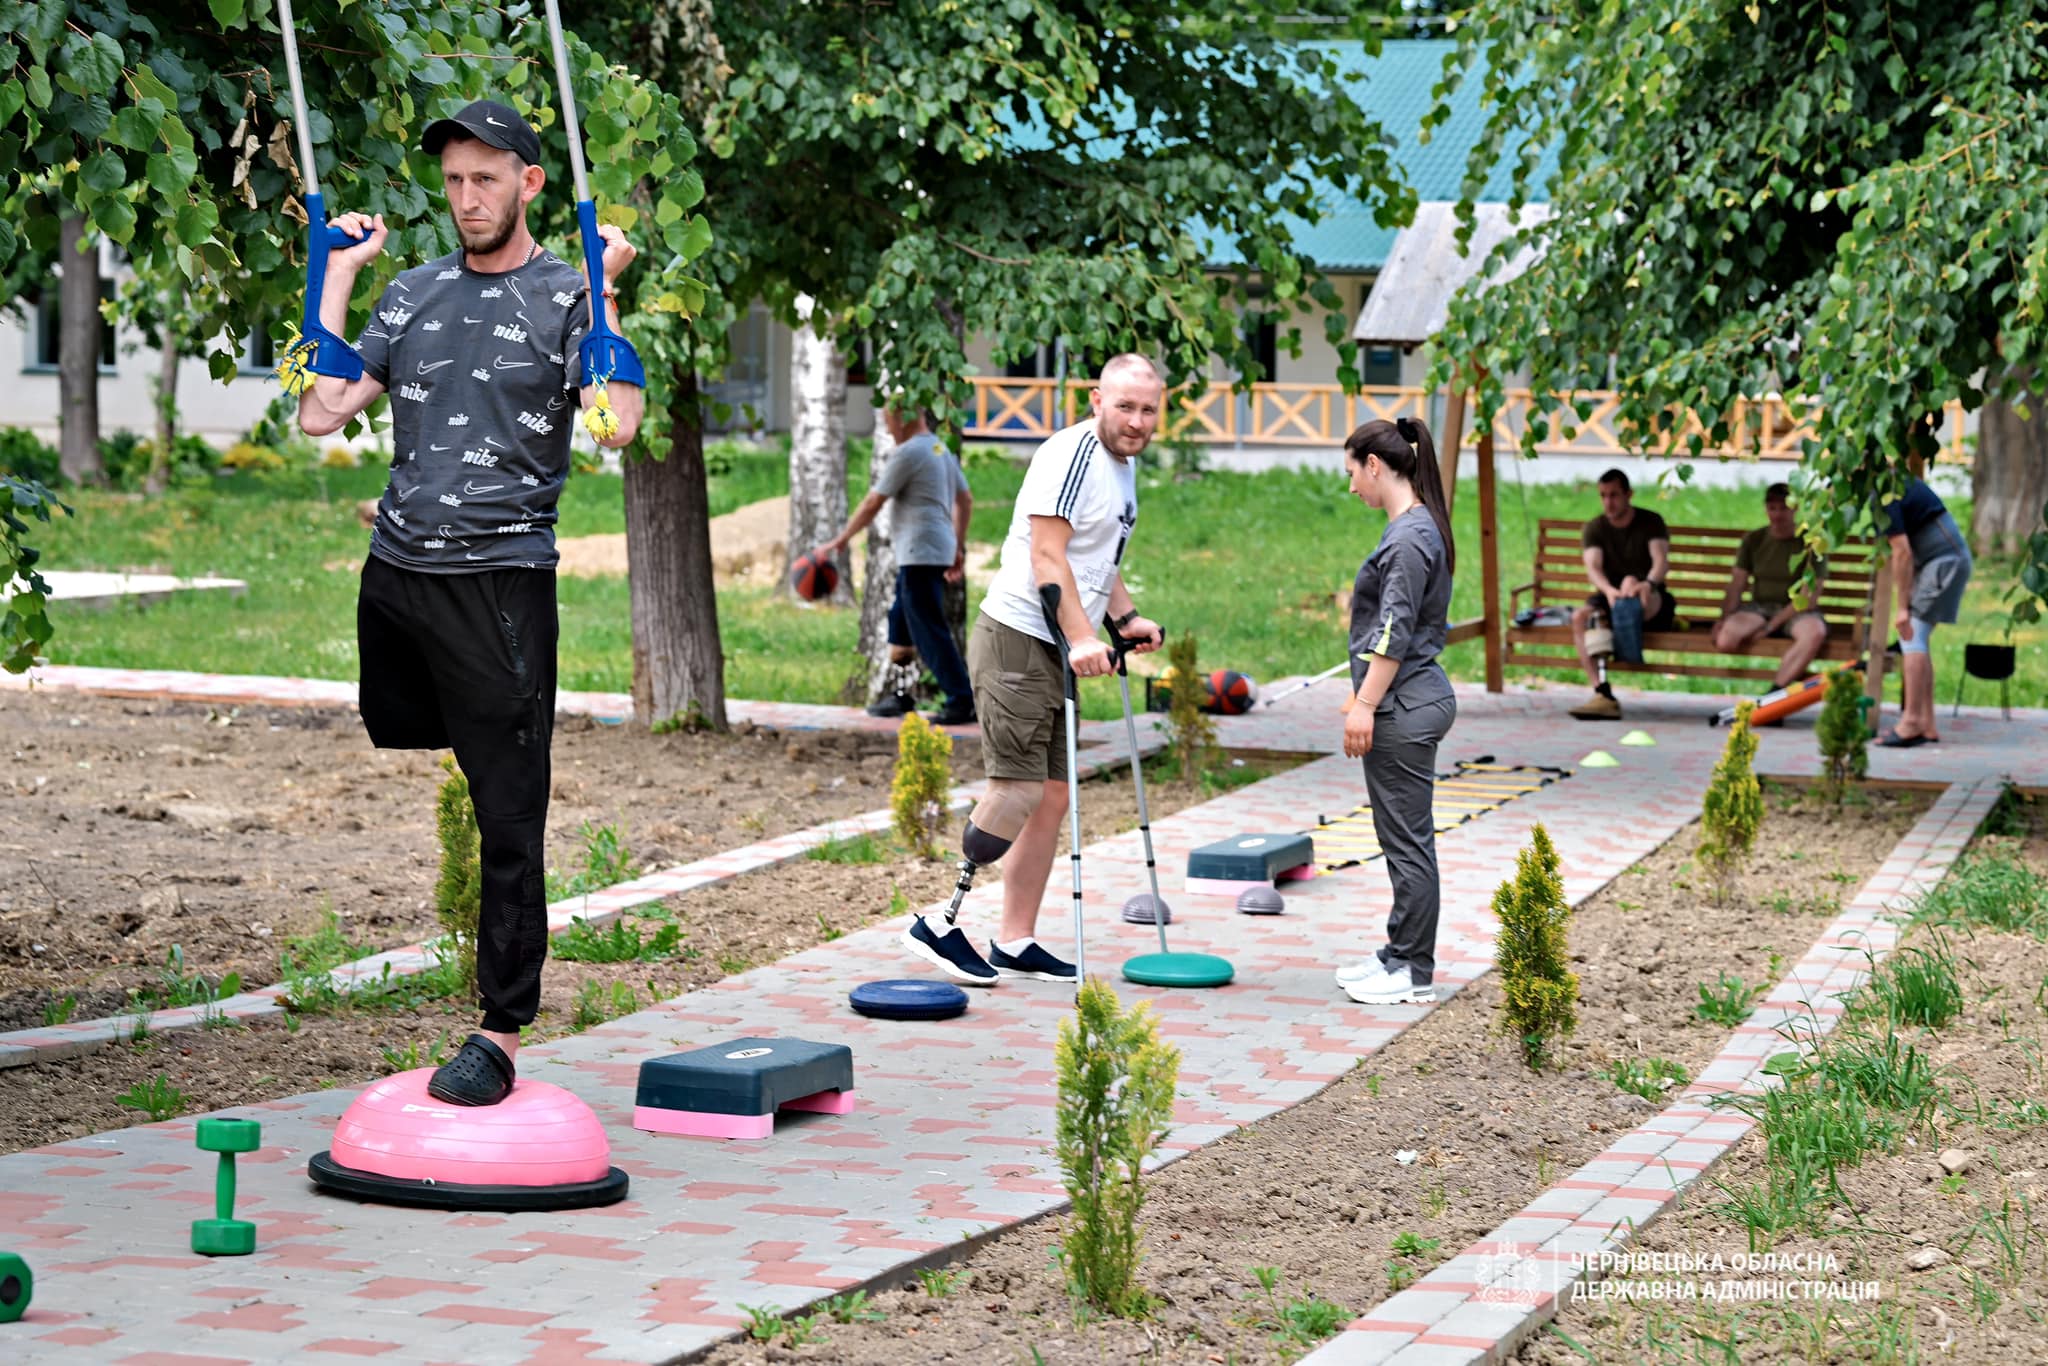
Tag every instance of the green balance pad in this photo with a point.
(1178, 970)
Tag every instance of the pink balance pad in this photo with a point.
(733, 1089)
(698, 1124)
(539, 1148)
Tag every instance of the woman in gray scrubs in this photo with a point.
(1402, 705)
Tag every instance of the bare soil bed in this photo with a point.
(1316, 1194)
(1960, 1260)
(131, 827)
(336, 824)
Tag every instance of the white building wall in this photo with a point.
(221, 413)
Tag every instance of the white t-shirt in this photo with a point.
(1072, 476)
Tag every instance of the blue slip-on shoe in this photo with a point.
(950, 953)
(1033, 962)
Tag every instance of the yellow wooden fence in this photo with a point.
(1284, 414)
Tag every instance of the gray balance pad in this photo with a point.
(1251, 858)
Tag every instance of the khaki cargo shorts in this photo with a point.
(1017, 694)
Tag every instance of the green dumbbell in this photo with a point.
(16, 1286)
(222, 1235)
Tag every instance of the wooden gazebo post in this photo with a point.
(1489, 562)
(1448, 441)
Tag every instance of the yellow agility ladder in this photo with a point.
(1473, 788)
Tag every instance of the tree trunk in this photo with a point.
(78, 354)
(878, 577)
(166, 397)
(678, 662)
(2009, 478)
(817, 447)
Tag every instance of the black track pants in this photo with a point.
(467, 661)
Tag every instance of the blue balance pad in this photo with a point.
(909, 999)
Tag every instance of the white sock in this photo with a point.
(935, 921)
(1015, 947)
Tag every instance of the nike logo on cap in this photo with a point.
(493, 122)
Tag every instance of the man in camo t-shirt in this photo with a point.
(456, 622)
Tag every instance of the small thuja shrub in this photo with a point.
(1116, 1084)
(1844, 739)
(1539, 992)
(922, 785)
(1191, 731)
(1733, 808)
(458, 891)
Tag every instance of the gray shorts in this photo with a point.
(1019, 689)
(1938, 588)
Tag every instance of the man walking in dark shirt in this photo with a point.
(456, 618)
(1627, 552)
(928, 526)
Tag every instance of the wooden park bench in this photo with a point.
(1702, 561)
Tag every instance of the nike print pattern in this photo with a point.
(483, 372)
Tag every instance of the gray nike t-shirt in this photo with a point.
(923, 480)
(483, 372)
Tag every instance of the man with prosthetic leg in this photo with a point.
(1073, 520)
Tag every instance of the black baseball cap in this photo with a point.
(490, 122)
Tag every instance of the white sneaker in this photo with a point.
(1389, 989)
(1360, 971)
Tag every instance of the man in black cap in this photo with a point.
(455, 621)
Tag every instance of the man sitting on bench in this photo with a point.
(1771, 560)
(1627, 553)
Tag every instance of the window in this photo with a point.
(1380, 366)
(860, 363)
(259, 351)
(1040, 364)
(48, 329)
(1262, 337)
(742, 397)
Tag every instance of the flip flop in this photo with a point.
(1891, 739)
(480, 1074)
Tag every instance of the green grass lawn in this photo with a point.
(1253, 564)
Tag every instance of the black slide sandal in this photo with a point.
(480, 1074)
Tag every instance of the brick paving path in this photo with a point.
(831, 1202)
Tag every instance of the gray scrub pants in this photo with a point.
(1400, 781)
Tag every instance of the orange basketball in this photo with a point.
(813, 578)
(1229, 693)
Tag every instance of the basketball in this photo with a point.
(1229, 693)
(813, 578)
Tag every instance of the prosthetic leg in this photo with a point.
(992, 827)
(1007, 806)
(1601, 706)
(1600, 645)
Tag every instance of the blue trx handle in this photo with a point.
(331, 355)
(606, 354)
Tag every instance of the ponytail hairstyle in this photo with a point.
(1404, 446)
